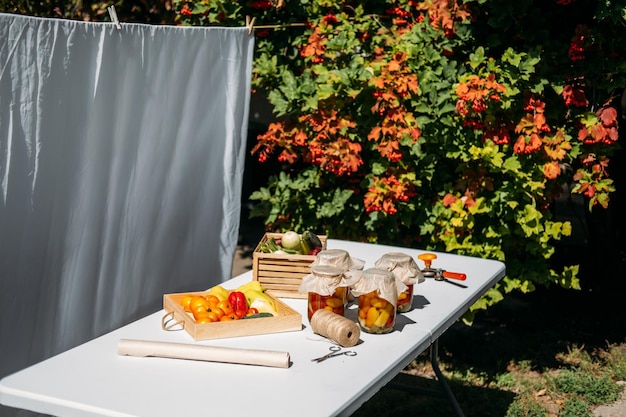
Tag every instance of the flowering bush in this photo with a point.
(442, 124)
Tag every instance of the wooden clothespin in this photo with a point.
(250, 24)
(113, 15)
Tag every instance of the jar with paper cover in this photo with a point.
(377, 295)
(351, 267)
(325, 290)
(407, 274)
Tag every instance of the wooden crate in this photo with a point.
(287, 320)
(280, 274)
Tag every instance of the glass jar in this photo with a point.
(324, 291)
(351, 267)
(377, 297)
(405, 299)
(407, 274)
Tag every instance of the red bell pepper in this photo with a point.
(237, 301)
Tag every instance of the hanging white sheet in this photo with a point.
(121, 162)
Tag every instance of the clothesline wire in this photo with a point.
(279, 26)
(250, 25)
(249, 22)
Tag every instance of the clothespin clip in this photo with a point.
(250, 24)
(113, 15)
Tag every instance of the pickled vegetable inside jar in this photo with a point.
(324, 290)
(405, 299)
(376, 315)
(334, 303)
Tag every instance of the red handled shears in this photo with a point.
(438, 273)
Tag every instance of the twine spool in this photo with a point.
(337, 328)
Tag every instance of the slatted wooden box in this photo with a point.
(287, 320)
(280, 274)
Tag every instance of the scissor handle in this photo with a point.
(454, 275)
(334, 348)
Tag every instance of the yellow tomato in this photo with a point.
(213, 300)
(203, 320)
(201, 316)
(197, 302)
(218, 312)
(184, 302)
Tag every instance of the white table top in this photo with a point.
(93, 380)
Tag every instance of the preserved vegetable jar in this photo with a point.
(407, 274)
(377, 295)
(351, 268)
(324, 290)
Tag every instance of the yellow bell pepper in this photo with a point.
(252, 285)
(382, 318)
(252, 295)
(385, 313)
(264, 306)
(220, 292)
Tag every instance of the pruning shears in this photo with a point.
(440, 274)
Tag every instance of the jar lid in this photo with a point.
(378, 274)
(335, 257)
(326, 271)
(403, 266)
(397, 257)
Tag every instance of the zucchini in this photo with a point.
(258, 316)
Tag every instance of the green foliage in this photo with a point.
(617, 362)
(587, 386)
(144, 11)
(575, 408)
(523, 407)
(443, 125)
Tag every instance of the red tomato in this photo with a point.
(252, 311)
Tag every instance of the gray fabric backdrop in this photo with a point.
(121, 162)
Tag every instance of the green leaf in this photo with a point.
(477, 58)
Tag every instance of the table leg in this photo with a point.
(434, 362)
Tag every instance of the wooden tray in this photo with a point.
(288, 320)
(280, 274)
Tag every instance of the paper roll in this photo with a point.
(337, 328)
(145, 348)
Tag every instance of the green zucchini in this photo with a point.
(258, 315)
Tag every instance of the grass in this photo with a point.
(552, 353)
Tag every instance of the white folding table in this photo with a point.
(93, 380)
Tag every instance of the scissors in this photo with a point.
(334, 351)
(440, 274)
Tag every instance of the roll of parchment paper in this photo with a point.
(339, 329)
(145, 348)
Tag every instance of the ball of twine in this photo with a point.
(337, 328)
